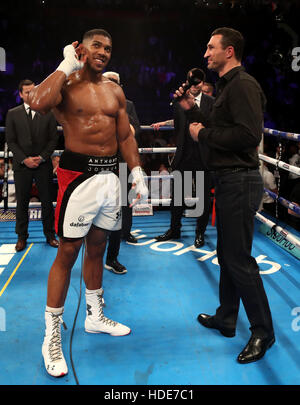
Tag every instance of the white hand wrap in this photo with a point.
(140, 186)
(71, 63)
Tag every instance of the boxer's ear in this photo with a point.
(84, 54)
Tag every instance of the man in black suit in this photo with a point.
(32, 138)
(114, 239)
(188, 158)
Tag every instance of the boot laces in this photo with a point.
(102, 317)
(55, 351)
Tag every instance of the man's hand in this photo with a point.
(139, 186)
(32, 162)
(187, 101)
(157, 125)
(195, 127)
(71, 62)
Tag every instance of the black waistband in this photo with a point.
(220, 172)
(88, 164)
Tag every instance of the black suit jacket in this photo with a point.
(19, 138)
(181, 130)
(133, 119)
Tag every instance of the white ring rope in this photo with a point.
(282, 165)
(290, 237)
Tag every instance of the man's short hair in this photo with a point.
(97, 31)
(25, 82)
(231, 37)
(210, 85)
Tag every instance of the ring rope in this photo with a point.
(281, 165)
(286, 203)
(288, 235)
(287, 135)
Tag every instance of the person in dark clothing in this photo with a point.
(188, 158)
(32, 138)
(230, 141)
(114, 239)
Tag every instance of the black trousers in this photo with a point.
(23, 183)
(114, 238)
(177, 211)
(238, 196)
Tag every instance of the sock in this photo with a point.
(91, 292)
(56, 311)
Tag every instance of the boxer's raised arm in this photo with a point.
(47, 95)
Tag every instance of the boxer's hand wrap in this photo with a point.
(140, 187)
(71, 63)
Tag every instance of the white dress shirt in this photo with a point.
(26, 106)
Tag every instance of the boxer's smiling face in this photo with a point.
(98, 52)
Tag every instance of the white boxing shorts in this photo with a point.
(89, 193)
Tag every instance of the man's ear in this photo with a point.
(229, 51)
(81, 52)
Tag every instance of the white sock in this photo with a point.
(90, 292)
(56, 311)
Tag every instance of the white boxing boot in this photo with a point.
(54, 360)
(95, 321)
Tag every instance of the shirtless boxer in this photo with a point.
(92, 112)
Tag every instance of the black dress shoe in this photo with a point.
(199, 240)
(255, 349)
(52, 241)
(21, 245)
(115, 266)
(209, 322)
(131, 239)
(170, 234)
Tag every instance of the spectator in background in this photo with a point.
(114, 239)
(294, 160)
(293, 217)
(269, 183)
(208, 89)
(32, 138)
(188, 158)
(10, 177)
(2, 166)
